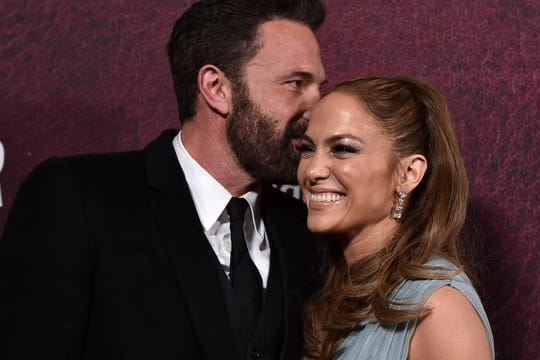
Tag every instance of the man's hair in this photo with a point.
(224, 33)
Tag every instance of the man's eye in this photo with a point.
(297, 84)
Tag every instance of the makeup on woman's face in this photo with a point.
(345, 169)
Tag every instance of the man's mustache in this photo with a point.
(296, 128)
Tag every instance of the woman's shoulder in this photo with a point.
(457, 326)
(456, 313)
(452, 297)
(453, 329)
(418, 290)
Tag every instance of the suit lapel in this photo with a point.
(192, 257)
(273, 232)
(294, 247)
(284, 231)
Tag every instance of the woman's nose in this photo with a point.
(318, 167)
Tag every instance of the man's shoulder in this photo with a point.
(284, 211)
(272, 196)
(108, 163)
(92, 163)
(114, 161)
(88, 170)
(120, 172)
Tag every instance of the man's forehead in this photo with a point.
(290, 46)
(283, 31)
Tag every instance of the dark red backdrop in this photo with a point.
(81, 76)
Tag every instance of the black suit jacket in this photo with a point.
(104, 257)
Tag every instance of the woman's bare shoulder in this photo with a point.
(453, 329)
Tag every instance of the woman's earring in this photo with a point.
(397, 211)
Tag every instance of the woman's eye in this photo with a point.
(305, 150)
(344, 149)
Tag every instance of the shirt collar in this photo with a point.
(209, 196)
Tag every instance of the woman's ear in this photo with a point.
(412, 171)
(215, 89)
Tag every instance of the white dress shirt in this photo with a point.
(210, 199)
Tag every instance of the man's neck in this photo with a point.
(209, 147)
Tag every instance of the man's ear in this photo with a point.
(412, 171)
(215, 89)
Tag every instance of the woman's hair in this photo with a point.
(415, 117)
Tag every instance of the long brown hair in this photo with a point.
(415, 117)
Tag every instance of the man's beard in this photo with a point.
(264, 151)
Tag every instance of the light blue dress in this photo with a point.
(371, 340)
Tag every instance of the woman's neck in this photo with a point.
(368, 240)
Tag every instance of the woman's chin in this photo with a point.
(319, 228)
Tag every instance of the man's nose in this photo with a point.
(312, 96)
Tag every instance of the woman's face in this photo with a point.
(346, 171)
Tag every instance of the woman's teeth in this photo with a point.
(326, 197)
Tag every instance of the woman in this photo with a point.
(383, 177)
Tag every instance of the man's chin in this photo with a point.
(287, 176)
(286, 182)
(280, 175)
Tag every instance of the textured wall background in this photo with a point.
(81, 76)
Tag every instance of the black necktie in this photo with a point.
(245, 278)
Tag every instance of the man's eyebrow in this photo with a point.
(305, 74)
(302, 74)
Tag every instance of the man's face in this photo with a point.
(280, 85)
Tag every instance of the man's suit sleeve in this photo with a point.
(45, 268)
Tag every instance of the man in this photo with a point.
(130, 255)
